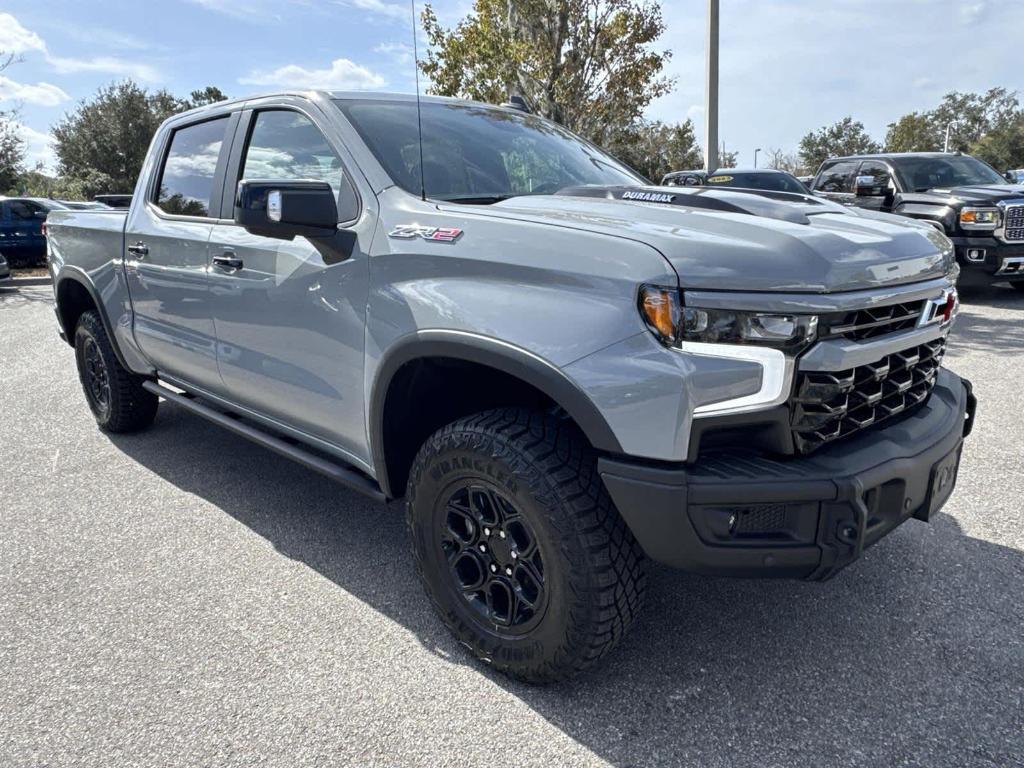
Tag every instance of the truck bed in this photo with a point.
(94, 237)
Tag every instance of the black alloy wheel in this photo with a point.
(494, 559)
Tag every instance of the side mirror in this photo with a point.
(870, 186)
(286, 209)
(1011, 177)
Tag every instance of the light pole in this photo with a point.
(711, 91)
(755, 156)
(945, 146)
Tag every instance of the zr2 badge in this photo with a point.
(437, 234)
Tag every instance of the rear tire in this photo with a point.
(115, 395)
(519, 546)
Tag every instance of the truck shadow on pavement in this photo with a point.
(911, 656)
(975, 330)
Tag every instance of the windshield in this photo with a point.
(473, 153)
(776, 182)
(923, 173)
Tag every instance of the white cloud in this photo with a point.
(38, 147)
(254, 11)
(972, 12)
(400, 53)
(343, 74)
(43, 94)
(391, 10)
(14, 38)
(111, 64)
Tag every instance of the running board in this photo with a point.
(350, 478)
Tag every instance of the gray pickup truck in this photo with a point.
(561, 370)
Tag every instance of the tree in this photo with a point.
(916, 132)
(12, 153)
(727, 159)
(104, 140)
(1002, 147)
(587, 64)
(654, 148)
(12, 145)
(846, 137)
(970, 116)
(987, 125)
(211, 94)
(781, 160)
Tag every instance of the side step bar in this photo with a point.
(350, 478)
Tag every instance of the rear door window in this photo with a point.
(22, 210)
(837, 177)
(186, 180)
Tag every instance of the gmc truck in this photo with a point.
(561, 371)
(979, 210)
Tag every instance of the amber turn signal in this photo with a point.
(660, 308)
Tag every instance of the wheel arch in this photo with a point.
(495, 361)
(75, 294)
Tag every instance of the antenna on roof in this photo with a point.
(419, 111)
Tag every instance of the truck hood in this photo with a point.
(971, 195)
(719, 239)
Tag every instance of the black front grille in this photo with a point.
(829, 405)
(870, 323)
(1013, 226)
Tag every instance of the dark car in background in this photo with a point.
(968, 200)
(114, 201)
(85, 205)
(22, 231)
(764, 179)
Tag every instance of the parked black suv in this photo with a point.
(976, 207)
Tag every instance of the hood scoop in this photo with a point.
(784, 206)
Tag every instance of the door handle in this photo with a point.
(228, 261)
(139, 249)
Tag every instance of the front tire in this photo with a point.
(115, 395)
(519, 546)
(1019, 285)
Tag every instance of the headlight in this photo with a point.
(979, 218)
(672, 323)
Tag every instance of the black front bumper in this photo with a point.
(807, 517)
(993, 266)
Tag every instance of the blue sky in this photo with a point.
(787, 66)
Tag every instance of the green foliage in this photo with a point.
(12, 146)
(973, 115)
(35, 183)
(211, 94)
(101, 145)
(587, 64)
(1003, 146)
(987, 125)
(12, 153)
(654, 148)
(845, 137)
(916, 132)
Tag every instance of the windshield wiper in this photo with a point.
(476, 199)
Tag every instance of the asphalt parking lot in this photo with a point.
(182, 597)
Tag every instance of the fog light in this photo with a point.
(975, 254)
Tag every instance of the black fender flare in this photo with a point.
(75, 275)
(502, 356)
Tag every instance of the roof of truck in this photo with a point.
(346, 95)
